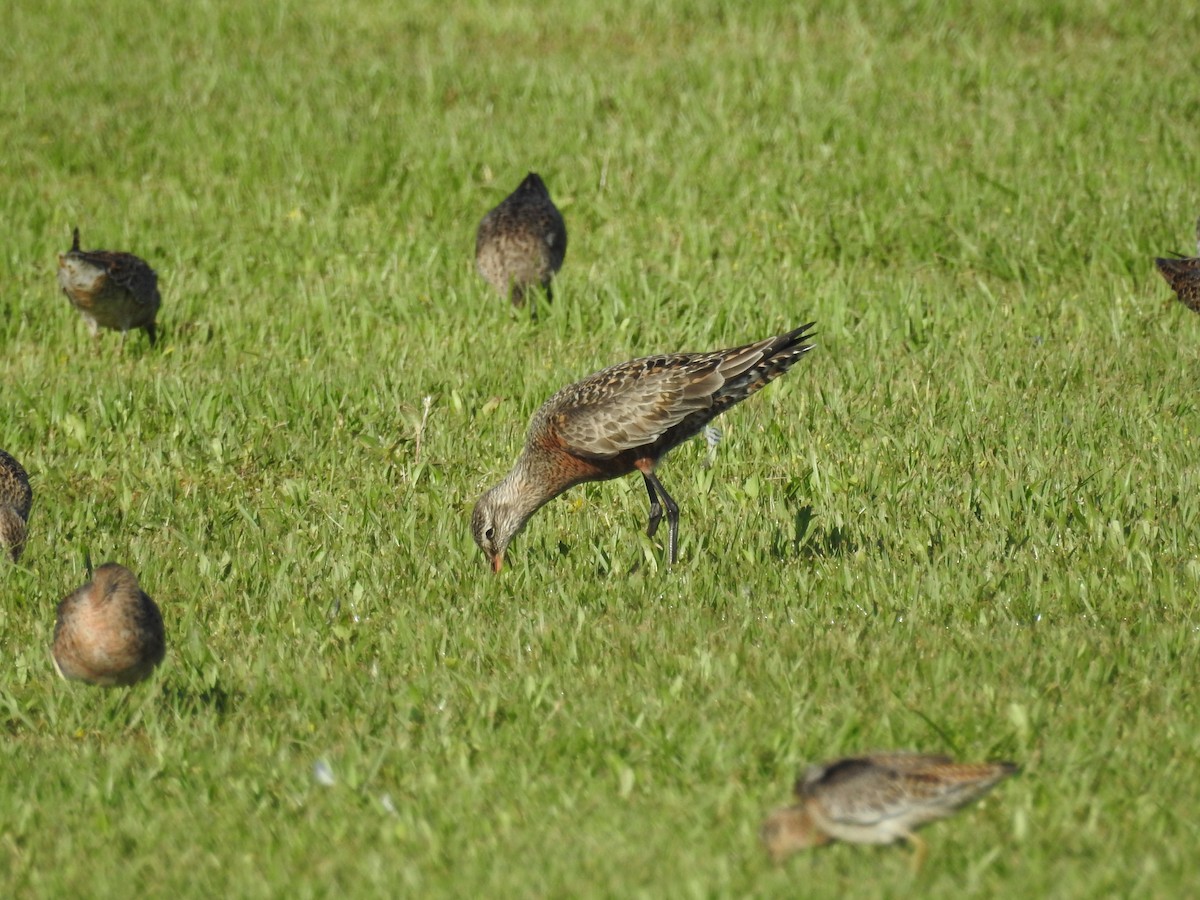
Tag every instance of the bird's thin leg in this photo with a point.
(672, 516)
(655, 509)
(920, 851)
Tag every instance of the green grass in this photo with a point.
(969, 521)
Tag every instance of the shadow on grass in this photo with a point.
(215, 699)
(820, 542)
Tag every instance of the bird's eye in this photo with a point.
(490, 533)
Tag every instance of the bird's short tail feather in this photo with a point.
(777, 357)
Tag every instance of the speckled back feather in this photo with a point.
(862, 791)
(16, 499)
(1183, 275)
(658, 402)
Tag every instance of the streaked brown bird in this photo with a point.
(110, 289)
(522, 242)
(1183, 275)
(16, 497)
(625, 419)
(877, 799)
(109, 632)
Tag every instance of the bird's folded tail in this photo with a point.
(754, 366)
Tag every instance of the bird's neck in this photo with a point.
(526, 488)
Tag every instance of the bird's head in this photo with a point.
(114, 580)
(496, 521)
(533, 186)
(789, 830)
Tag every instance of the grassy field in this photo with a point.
(968, 521)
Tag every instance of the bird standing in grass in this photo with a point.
(877, 799)
(625, 419)
(109, 632)
(110, 289)
(16, 497)
(522, 242)
(1183, 275)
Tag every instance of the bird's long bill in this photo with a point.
(497, 562)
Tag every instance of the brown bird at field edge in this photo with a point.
(522, 242)
(16, 498)
(878, 798)
(109, 632)
(111, 289)
(1183, 275)
(625, 419)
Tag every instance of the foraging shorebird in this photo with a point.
(109, 632)
(16, 497)
(110, 289)
(1183, 275)
(522, 242)
(877, 799)
(625, 419)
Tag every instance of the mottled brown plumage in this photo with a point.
(625, 419)
(110, 289)
(16, 497)
(109, 632)
(522, 242)
(877, 799)
(1183, 275)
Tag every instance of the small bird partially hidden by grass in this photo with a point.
(110, 289)
(877, 799)
(1182, 273)
(16, 497)
(521, 243)
(109, 632)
